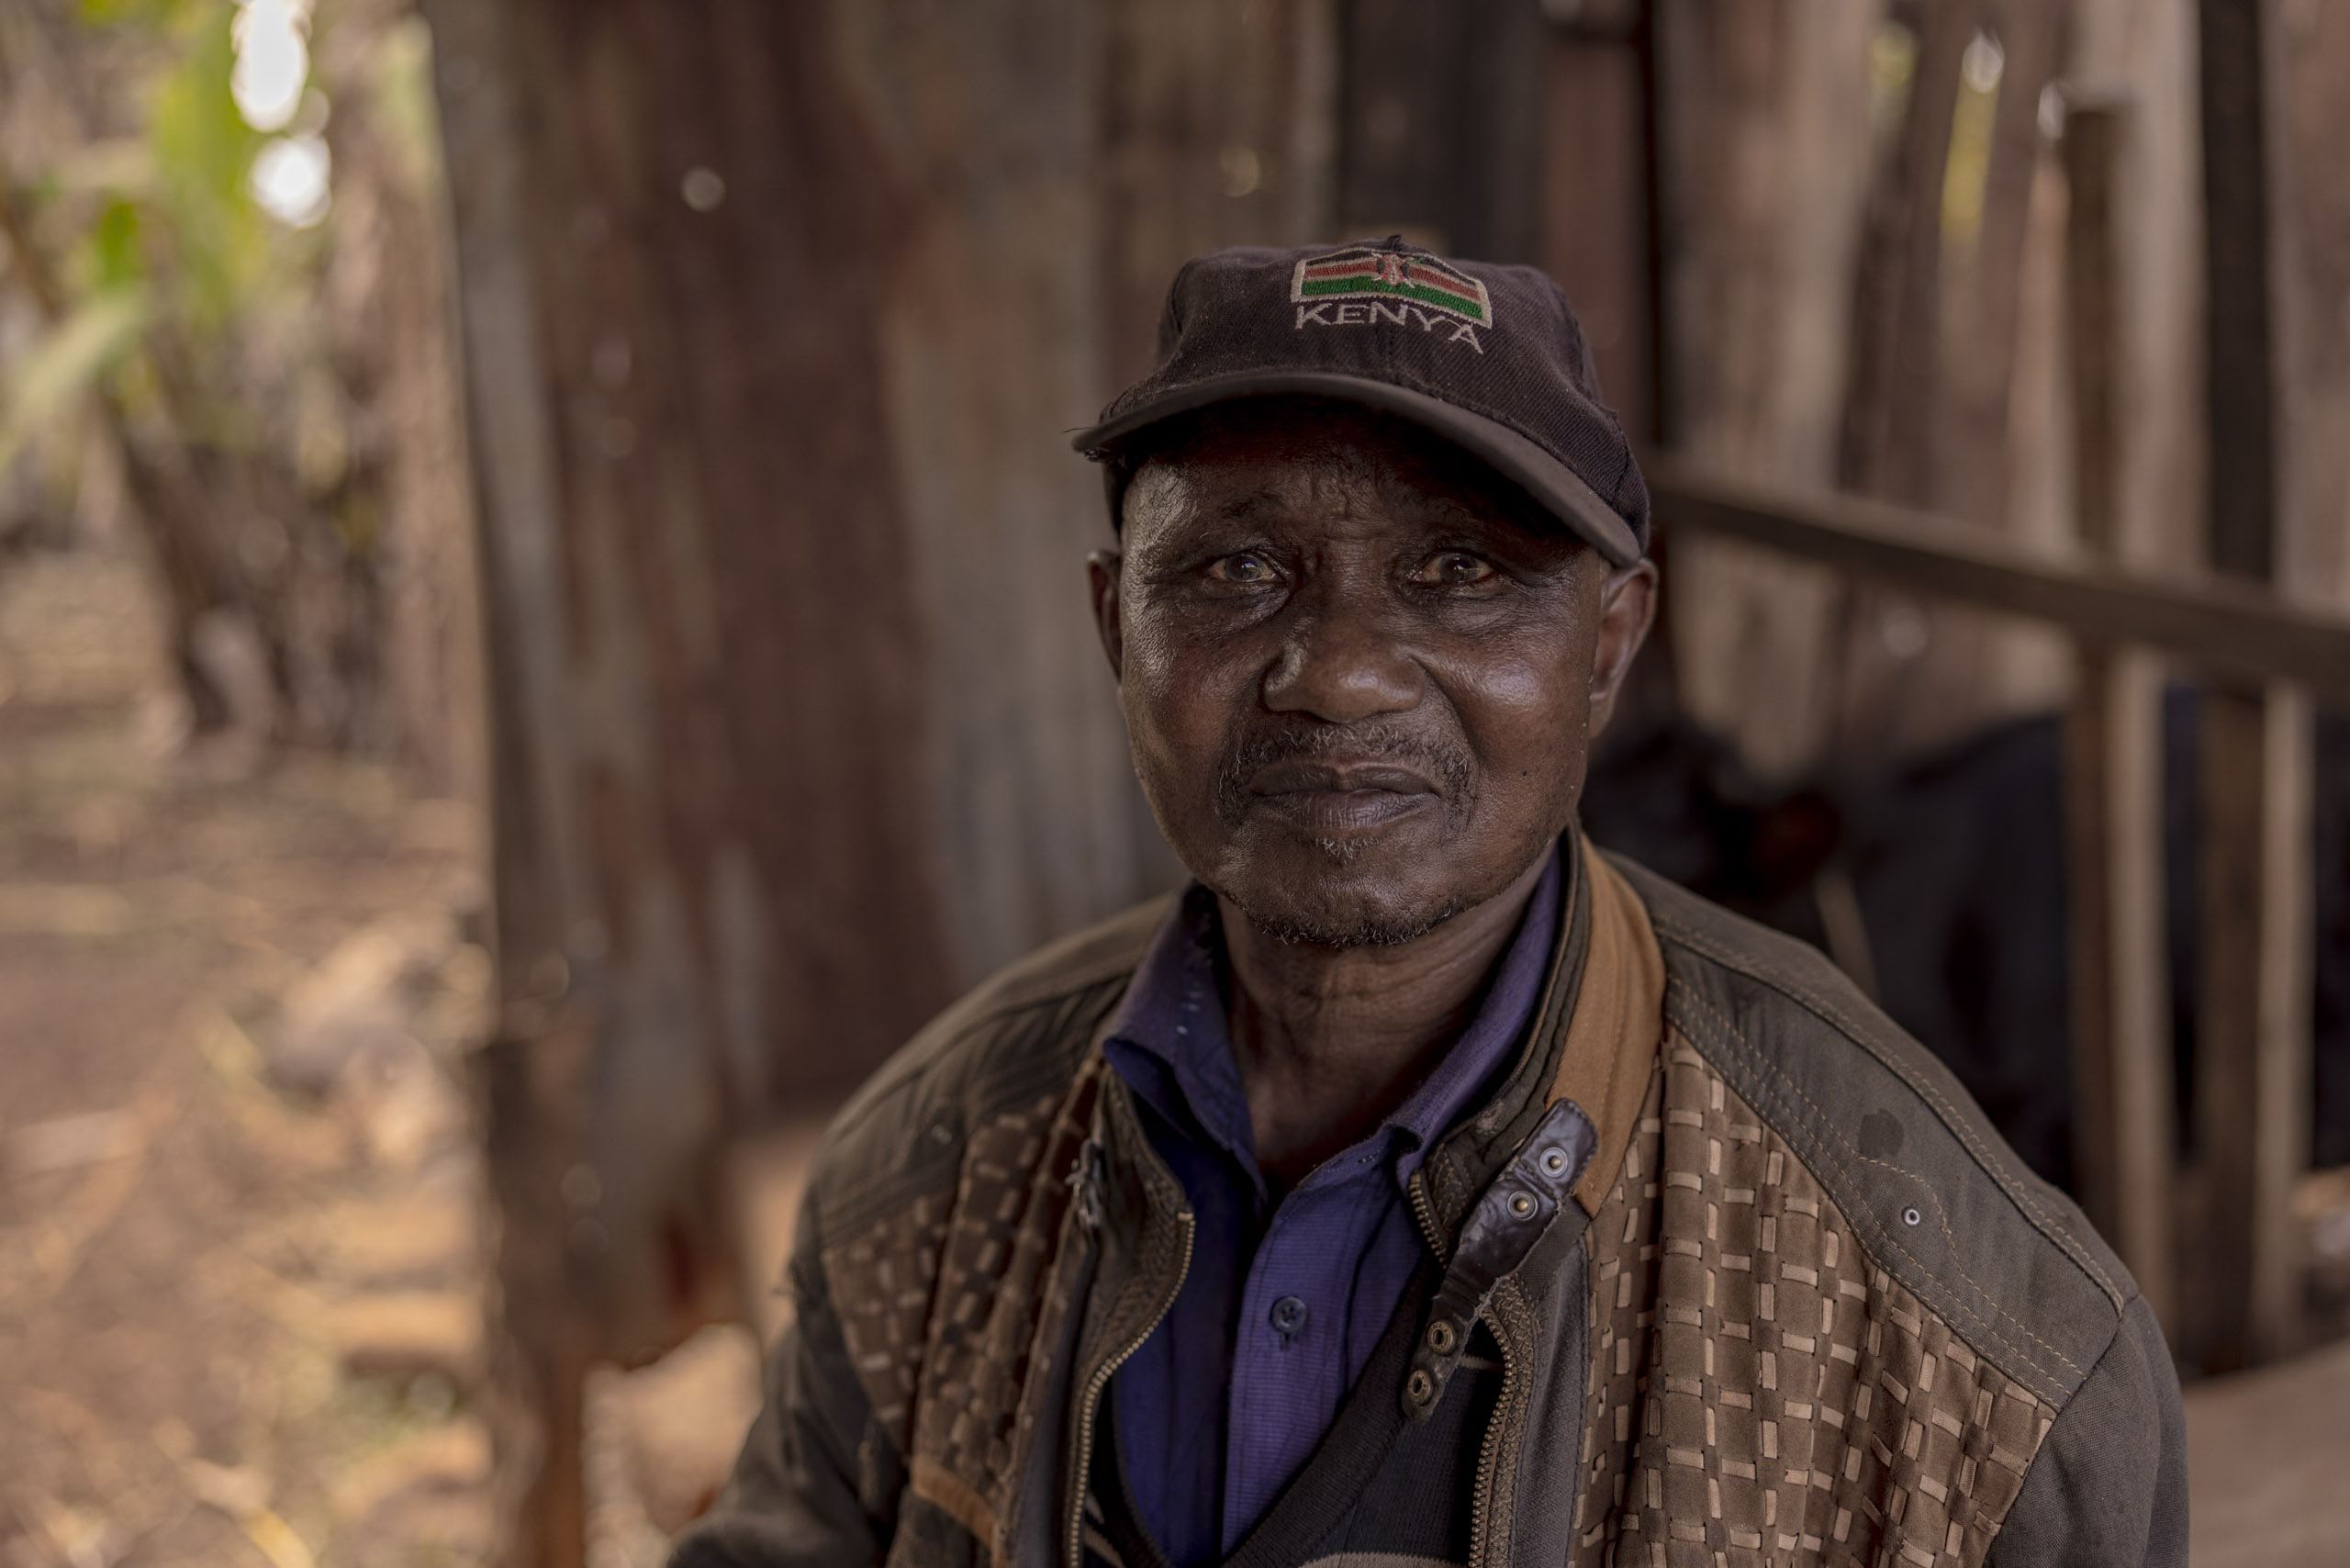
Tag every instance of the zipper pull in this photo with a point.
(1511, 1218)
(1090, 1180)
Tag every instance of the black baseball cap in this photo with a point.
(1490, 357)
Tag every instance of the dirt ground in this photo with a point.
(239, 1277)
(241, 1232)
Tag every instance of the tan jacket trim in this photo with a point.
(1618, 1024)
(952, 1496)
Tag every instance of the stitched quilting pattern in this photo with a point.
(963, 1253)
(881, 1279)
(2049, 1221)
(1002, 1288)
(1761, 1392)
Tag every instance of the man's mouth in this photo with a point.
(1325, 796)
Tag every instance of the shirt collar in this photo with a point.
(1170, 1041)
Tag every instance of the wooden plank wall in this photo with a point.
(1214, 124)
(1059, 161)
(1599, 203)
(1440, 129)
(775, 320)
(705, 650)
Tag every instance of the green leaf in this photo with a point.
(68, 362)
(203, 150)
(126, 12)
(202, 144)
(115, 258)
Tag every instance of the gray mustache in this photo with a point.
(1448, 765)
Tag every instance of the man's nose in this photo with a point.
(1343, 660)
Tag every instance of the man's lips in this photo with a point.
(1324, 777)
(1327, 796)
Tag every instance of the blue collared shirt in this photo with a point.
(1283, 1302)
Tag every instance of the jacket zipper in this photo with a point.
(1480, 1497)
(1508, 1414)
(1424, 1211)
(1089, 1405)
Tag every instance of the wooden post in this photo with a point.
(1598, 198)
(1892, 401)
(1600, 208)
(2284, 1070)
(2253, 1046)
(2123, 1119)
(714, 885)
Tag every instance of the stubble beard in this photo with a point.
(1368, 928)
(1365, 924)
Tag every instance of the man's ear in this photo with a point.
(1101, 568)
(1626, 607)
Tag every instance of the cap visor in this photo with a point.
(1552, 483)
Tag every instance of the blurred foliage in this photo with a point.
(402, 93)
(255, 357)
(68, 361)
(209, 232)
(151, 234)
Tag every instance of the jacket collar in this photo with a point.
(1170, 1041)
(1466, 1161)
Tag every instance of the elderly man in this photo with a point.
(1420, 1186)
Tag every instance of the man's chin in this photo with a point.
(1337, 925)
(1333, 892)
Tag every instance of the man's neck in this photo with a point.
(1331, 1040)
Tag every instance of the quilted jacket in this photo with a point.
(1821, 1314)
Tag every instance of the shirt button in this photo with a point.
(1288, 1315)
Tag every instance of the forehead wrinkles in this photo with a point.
(1343, 483)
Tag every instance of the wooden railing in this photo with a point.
(2224, 626)
(2265, 659)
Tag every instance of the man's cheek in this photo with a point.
(1178, 730)
(1190, 682)
(1527, 683)
(1157, 651)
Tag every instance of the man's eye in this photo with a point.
(1453, 568)
(1242, 568)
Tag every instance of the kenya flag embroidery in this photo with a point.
(1361, 273)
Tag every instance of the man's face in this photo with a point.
(1360, 675)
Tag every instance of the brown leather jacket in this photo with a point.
(1821, 1314)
